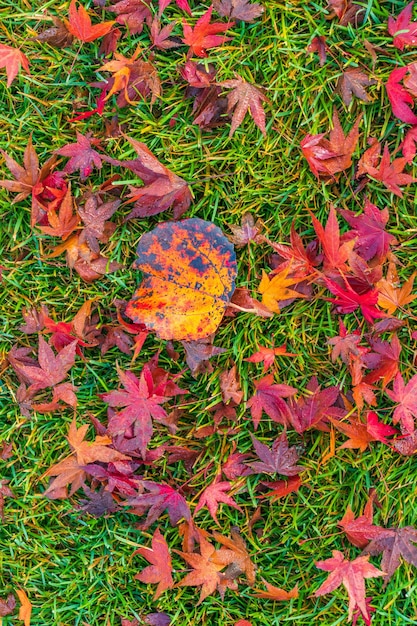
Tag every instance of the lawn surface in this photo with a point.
(80, 570)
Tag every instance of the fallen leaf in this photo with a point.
(362, 434)
(315, 408)
(346, 11)
(189, 270)
(267, 356)
(248, 231)
(351, 575)
(230, 386)
(276, 289)
(63, 223)
(25, 610)
(391, 295)
(279, 459)
(394, 543)
(160, 498)
(141, 400)
(162, 188)
(57, 36)
(348, 300)
(95, 215)
(213, 495)
(275, 593)
(12, 59)
(402, 29)
(7, 606)
(181, 4)
(327, 157)
(372, 241)
(161, 567)
(47, 188)
(399, 97)
(206, 570)
(80, 26)
(352, 83)
(132, 14)
(132, 78)
(281, 488)
(360, 530)
(242, 10)
(268, 397)
(405, 395)
(234, 554)
(198, 353)
(160, 35)
(318, 44)
(204, 34)
(82, 155)
(5, 492)
(244, 98)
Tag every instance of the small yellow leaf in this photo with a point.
(276, 289)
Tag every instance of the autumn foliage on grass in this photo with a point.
(190, 286)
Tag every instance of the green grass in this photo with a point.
(80, 570)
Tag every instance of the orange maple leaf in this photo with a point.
(80, 26)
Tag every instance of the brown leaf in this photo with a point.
(198, 353)
(353, 82)
(7, 606)
(57, 36)
(230, 386)
(248, 231)
(242, 10)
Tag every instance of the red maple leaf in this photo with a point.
(279, 459)
(405, 395)
(348, 300)
(62, 223)
(345, 344)
(12, 59)
(162, 188)
(360, 530)
(314, 410)
(46, 187)
(362, 434)
(384, 360)
(327, 157)
(80, 26)
(182, 4)
(141, 400)
(160, 498)
(350, 574)
(82, 155)
(52, 368)
(267, 355)
(161, 567)
(204, 35)
(213, 495)
(318, 44)
(409, 144)
(399, 97)
(371, 239)
(402, 29)
(335, 252)
(268, 397)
